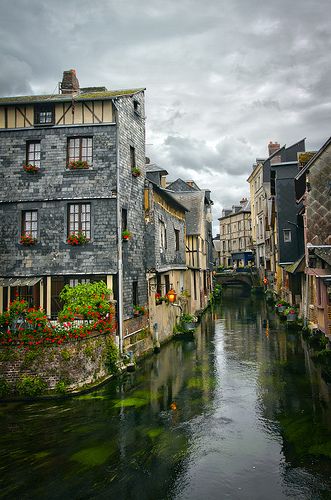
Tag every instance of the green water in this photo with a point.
(238, 413)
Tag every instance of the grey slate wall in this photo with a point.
(132, 133)
(169, 258)
(50, 190)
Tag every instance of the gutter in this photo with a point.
(119, 236)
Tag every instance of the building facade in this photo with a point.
(235, 240)
(66, 166)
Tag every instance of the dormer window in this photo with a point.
(136, 107)
(44, 114)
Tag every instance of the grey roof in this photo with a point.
(324, 254)
(152, 167)
(182, 186)
(194, 202)
(168, 196)
(230, 213)
(83, 96)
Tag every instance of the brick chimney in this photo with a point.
(70, 83)
(272, 148)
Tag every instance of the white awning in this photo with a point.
(19, 281)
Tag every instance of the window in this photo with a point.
(177, 240)
(44, 114)
(124, 219)
(132, 157)
(80, 149)
(287, 235)
(80, 219)
(76, 281)
(30, 223)
(33, 153)
(135, 301)
(167, 283)
(136, 107)
(163, 236)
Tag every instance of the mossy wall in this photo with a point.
(58, 369)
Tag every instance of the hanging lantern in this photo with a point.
(171, 296)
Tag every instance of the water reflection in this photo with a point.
(241, 412)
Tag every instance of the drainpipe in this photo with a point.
(119, 235)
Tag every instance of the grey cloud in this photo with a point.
(215, 72)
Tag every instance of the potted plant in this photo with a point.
(188, 321)
(280, 306)
(290, 313)
(136, 172)
(78, 238)
(78, 165)
(126, 235)
(139, 310)
(30, 169)
(27, 240)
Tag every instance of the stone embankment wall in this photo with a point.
(65, 368)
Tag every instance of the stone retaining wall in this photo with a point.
(68, 367)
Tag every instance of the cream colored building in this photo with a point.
(235, 238)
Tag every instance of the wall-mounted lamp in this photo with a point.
(172, 296)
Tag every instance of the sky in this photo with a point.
(222, 77)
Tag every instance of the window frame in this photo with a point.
(33, 232)
(85, 231)
(163, 236)
(176, 239)
(80, 157)
(287, 235)
(33, 159)
(39, 109)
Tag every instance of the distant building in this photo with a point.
(235, 240)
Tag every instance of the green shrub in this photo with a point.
(89, 351)
(65, 354)
(31, 356)
(61, 387)
(111, 355)
(4, 387)
(30, 386)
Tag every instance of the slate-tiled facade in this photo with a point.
(54, 187)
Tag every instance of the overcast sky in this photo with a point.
(222, 77)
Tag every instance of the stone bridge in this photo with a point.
(237, 277)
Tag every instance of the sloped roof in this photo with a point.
(324, 254)
(180, 185)
(194, 202)
(84, 96)
(153, 167)
(168, 196)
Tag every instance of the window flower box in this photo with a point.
(27, 240)
(139, 310)
(75, 239)
(30, 169)
(78, 165)
(136, 172)
(126, 235)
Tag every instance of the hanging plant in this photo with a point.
(126, 235)
(136, 172)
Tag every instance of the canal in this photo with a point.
(241, 412)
